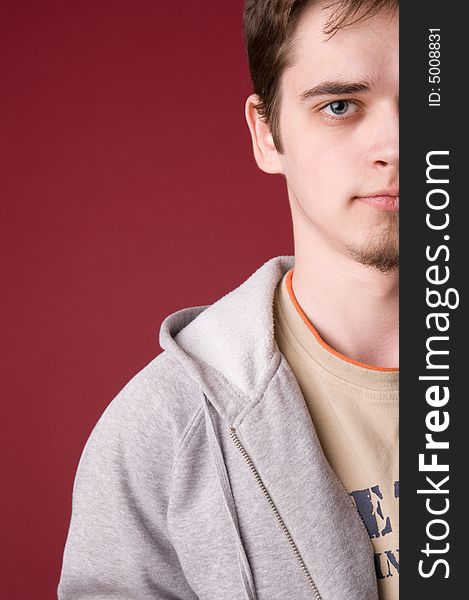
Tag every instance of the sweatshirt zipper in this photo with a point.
(276, 514)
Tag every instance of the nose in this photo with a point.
(384, 140)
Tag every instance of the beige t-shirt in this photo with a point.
(355, 411)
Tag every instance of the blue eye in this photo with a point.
(340, 108)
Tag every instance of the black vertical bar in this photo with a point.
(434, 272)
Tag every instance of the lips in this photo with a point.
(385, 200)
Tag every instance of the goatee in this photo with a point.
(381, 251)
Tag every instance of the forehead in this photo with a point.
(367, 49)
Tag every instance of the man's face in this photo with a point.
(339, 120)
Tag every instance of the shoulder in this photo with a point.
(151, 414)
(118, 531)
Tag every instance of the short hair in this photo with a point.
(269, 29)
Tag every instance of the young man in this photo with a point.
(256, 457)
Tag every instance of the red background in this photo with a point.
(129, 191)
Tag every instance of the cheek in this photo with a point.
(323, 172)
(320, 165)
(324, 148)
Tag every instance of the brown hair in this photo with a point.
(269, 28)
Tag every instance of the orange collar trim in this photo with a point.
(288, 281)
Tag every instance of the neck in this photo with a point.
(354, 308)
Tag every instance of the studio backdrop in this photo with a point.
(129, 191)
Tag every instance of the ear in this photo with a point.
(265, 152)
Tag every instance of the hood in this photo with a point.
(229, 349)
(230, 344)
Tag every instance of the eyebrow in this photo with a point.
(335, 88)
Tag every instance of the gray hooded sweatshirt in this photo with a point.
(204, 478)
